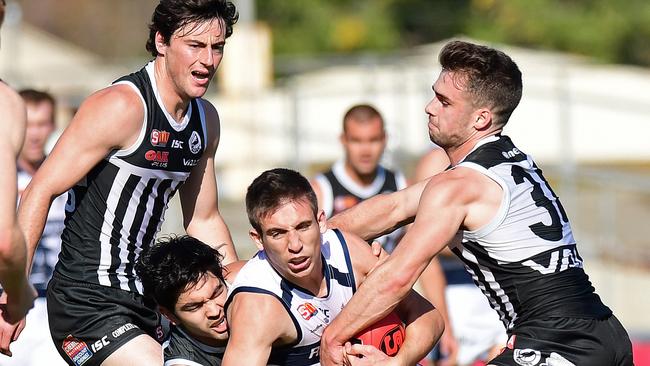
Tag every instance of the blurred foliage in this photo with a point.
(610, 30)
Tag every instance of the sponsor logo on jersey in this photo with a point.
(159, 138)
(100, 343)
(177, 144)
(123, 329)
(314, 352)
(77, 350)
(195, 142)
(307, 310)
(157, 158)
(511, 154)
(342, 203)
(190, 162)
(526, 357)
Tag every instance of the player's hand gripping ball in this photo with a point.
(387, 335)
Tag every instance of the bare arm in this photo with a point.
(18, 295)
(257, 323)
(424, 324)
(391, 282)
(198, 195)
(109, 119)
(380, 214)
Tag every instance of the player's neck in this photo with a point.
(173, 101)
(315, 282)
(363, 180)
(458, 153)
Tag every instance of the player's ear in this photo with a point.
(169, 315)
(483, 119)
(161, 45)
(257, 238)
(322, 221)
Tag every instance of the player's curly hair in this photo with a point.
(273, 188)
(490, 76)
(171, 15)
(174, 264)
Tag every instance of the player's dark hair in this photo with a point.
(2, 11)
(34, 96)
(171, 15)
(491, 77)
(174, 264)
(361, 113)
(273, 188)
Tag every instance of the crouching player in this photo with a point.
(186, 279)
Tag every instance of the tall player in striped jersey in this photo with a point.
(499, 216)
(301, 278)
(18, 295)
(127, 151)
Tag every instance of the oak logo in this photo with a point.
(159, 138)
(157, 156)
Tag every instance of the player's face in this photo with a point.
(193, 55)
(364, 143)
(199, 310)
(291, 238)
(450, 112)
(39, 128)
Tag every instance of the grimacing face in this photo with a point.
(450, 112)
(193, 55)
(291, 238)
(199, 311)
(364, 144)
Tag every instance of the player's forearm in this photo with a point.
(32, 213)
(214, 232)
(12, 260)
(424, 326)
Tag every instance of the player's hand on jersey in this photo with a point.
(366, 355)
(332, 353)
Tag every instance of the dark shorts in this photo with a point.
(567, 342)
(89, 322)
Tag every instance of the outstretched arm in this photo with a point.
(199, 199)
(380, 214)
(391, 282)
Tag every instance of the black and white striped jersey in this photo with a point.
(310, 314)
(117, 209)
(525, 260)
(181, 348)
(340, 192)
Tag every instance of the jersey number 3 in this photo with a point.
(552, 232)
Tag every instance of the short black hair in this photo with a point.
(173, 264)
(361, 113)
(273, 188)
(490, 76)
(171, 15)
(34, 96)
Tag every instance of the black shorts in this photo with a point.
(89, 322)
(567, 342)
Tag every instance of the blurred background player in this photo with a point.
(17, 294)
(301, 278)
(35, 347)
(477, 329)
(186, 279)
(127, 151)
(359, 176)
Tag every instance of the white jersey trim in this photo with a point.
(501, 213)
(149, 173)
(364, 192)
(172, 122)
(181, 361)
(143, 129)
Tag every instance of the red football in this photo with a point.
(387, 335)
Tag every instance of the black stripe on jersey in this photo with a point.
(297, 356)
(348, 261)
(135, 229)
(116, 233)
(287, 307)
(342, 278)
(495, 153)
(156, 211)
(496, 302)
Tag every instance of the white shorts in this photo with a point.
(475, 324)
(34, 346)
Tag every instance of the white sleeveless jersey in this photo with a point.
(525, 260)
(310, 314)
